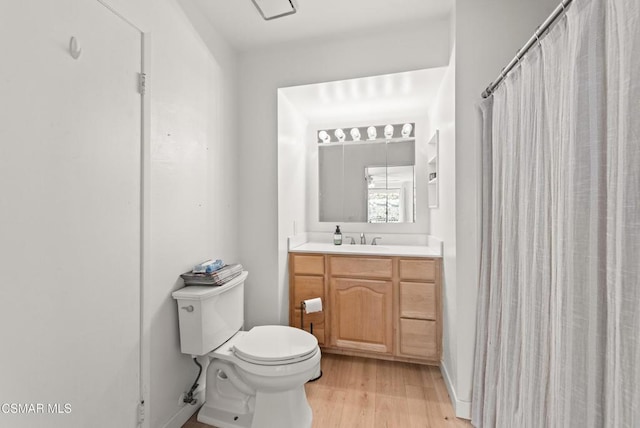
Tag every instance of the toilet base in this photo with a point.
(294, 412)
(289, 409)
(223, 419)
(230, 403)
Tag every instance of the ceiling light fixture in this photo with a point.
(272, 9)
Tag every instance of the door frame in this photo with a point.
(144, 325)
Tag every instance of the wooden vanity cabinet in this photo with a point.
(307, 281)
(377, 306)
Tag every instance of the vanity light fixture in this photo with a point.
(397, 132)
(272, 9)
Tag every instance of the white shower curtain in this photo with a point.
(558, 332)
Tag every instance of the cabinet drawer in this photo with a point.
(307, 287)
(421, 270)
(362, 267)
(418, 300)
(418, 338)
(316, 318)
(308, 264)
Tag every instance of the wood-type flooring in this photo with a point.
(357, 392)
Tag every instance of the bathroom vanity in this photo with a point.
(379, 301)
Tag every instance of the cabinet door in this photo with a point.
(313, 323)
(305, 287)
(361, 314)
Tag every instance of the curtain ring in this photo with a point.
(537, 34)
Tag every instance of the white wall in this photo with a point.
(193, 180)
(488, 34)
(292, 185)
(192, 193)
(443, 219)
(262, 72)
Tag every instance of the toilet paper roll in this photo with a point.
(313, 305)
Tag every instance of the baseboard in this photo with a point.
(461, 408)
(183, 415)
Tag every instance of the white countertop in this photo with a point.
(372, 250)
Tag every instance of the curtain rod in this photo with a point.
(557, 13)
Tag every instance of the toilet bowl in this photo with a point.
(263, 371)
(255, 379)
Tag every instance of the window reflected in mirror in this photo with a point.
(391, 194)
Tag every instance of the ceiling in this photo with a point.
(368, 97)
(241, 25)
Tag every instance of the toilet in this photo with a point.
(255, 378)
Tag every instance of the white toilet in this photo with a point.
(256, 378)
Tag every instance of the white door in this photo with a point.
(69, 215)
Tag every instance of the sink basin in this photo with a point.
(381, 250)
(356, 248)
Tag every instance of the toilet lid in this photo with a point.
(275, 344)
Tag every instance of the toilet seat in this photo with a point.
(275, 345)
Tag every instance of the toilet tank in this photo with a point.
(209, 315)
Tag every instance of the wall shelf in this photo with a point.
(432, 170)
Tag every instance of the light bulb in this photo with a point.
(372, 133)
(355, 134)
(324, 136)
(406, 130)
(339, 133)
(388, 131)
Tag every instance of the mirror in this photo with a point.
(390, 194)
(369, 181)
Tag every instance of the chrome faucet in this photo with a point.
(353, 241)
(363, 239)
(374, 240)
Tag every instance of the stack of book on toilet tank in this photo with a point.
(211, 272)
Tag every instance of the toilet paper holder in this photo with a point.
(303, 307)
(309, 306)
